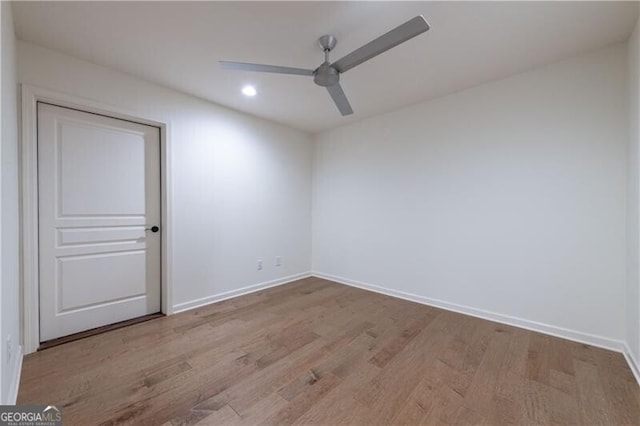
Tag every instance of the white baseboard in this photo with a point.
(634, 365)
(181, 307)
(577, 336)
(16, 369)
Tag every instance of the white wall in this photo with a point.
(9, 264)
(633, 202)
(508, 198)
(241, 185)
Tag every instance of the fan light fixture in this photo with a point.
(249, 91)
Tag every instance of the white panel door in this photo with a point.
(99, 195)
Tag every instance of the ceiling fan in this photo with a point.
(328, 74)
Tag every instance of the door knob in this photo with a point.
(152, 229)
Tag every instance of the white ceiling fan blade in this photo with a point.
(242, 66)
(396, 36)
(340, 99)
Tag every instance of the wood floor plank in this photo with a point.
(385, 354)
(538, 359)
(404, 371)
(264, 408)
(480, 395)
(536, 402)
(248, 391)
(563, 408)
(338, 405)
(225, 416)
(593, 402)
(514, 367)
(316, 352)
(303, 401)
(464, 353)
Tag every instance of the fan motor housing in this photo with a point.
(326, 75)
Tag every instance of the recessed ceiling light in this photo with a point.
(249, 91)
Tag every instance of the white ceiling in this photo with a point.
(178, 44)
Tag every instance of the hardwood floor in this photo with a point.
(316, 352)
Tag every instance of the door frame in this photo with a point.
(31, 95)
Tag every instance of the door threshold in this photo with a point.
(99, 330)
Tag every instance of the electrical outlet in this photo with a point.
(259, 264)
(278, 261)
